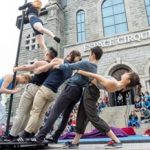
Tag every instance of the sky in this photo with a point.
(9, 33)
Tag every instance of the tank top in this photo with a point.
(9, 86)
(38, 79)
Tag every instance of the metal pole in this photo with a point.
(14, 76)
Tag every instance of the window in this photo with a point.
(80, 26)
(30, 43)
(114, 17)
(147, 4)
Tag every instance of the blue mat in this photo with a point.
(129, 139)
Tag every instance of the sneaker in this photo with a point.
(35, 141)
(57, 39)
(113, 144)
(70, 145)
(50, 139)
(26, 134)
(20, 139)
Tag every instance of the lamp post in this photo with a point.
(14, 76)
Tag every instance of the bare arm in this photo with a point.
(48, 66)
(7, 80)
(110, 85)
(31, 67)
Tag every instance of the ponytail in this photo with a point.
(138, 89)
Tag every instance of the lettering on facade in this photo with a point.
(136, 37)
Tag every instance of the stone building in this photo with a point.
(121, 27)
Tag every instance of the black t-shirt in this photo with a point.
(31, 9)
(56, 77)
(38, 79)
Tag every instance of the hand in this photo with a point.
(16, 90)
(15, 69)
(56, 67)
(1, 91)
(36, 71)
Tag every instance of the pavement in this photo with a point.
(126, 146)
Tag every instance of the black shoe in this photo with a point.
(26, 134)
(35, 141)
(50, 139)
(57, 39)
(2, 138)
(70, 145)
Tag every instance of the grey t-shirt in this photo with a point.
(78, 79)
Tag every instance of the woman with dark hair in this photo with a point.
(128, 80)
(87, 109)
(36, 23)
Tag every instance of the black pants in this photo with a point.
(88, 112)
(64, 104)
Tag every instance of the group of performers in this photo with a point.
(49, 74)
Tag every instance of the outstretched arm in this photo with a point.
(102, 80)
(48, 66)
(74, 66)
(110, 85)
(30, 67)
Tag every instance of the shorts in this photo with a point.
(34, 20)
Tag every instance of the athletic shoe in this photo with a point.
(35, 141)
(113, 144)
(50, 139)
(70, 145)
(57, 39)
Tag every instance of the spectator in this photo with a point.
(133, 120)
(138, 104)
(120, 100)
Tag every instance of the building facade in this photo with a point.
(120, 27)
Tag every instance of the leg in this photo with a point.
(42, 115)
(68, 95)
(39, 27)
(64, 121)
(43, 97)
(82, 121)
(23, 109)
(2, 113)
(41, 42)
(90, 98)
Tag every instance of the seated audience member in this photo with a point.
(133, 120)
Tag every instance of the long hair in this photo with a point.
(134, 82)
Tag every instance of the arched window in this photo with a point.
(147, 4)
(80, 26)
(114, 17)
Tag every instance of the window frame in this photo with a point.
(79, 32)
(148, 16)
(113, 15)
